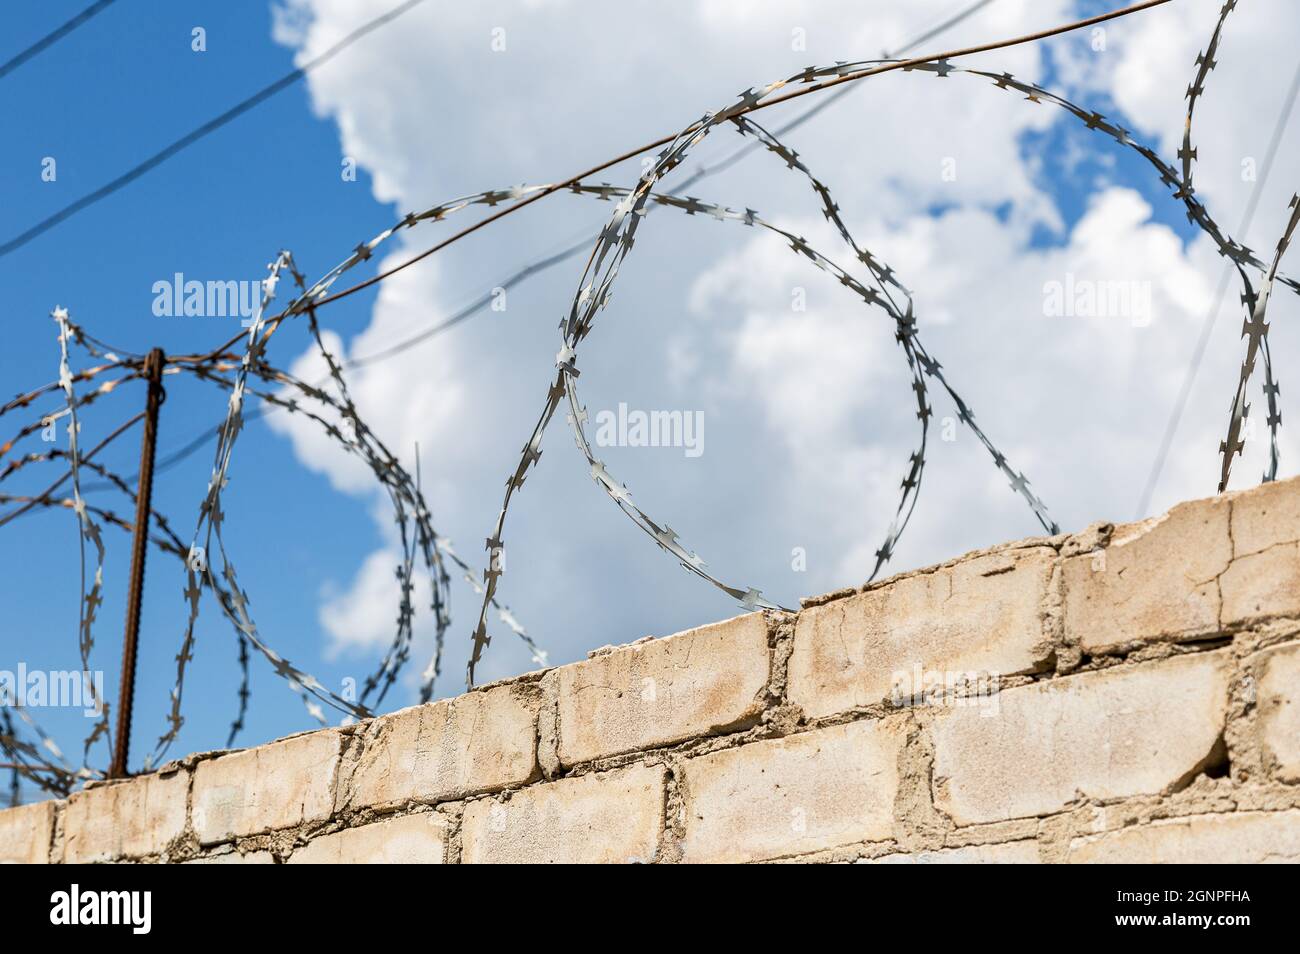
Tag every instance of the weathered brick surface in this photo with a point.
(273, 786)
(816, 790)
(1265, 516)
(409, 840)
(1106, 734)
(1278, 699)
(605, 818)
(1262, 585)
(1242, 838)
(1264, 579)
(980, 615)
(25, 834)
(1010, 853)
(661, 691)
(1059, 768)
(479, 742)
(124, 819)
(1157, 579)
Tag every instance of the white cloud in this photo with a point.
(1235, 117)
(810, 416)
(416, 397)
(352, 617)
(1031, 378)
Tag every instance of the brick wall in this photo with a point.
(1128, 693)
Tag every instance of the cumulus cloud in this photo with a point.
(1081, 367)
(810, 419)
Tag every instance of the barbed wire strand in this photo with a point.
(1212, 314)
(88, 607)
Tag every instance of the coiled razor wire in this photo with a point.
(611, 247)
(89, 531)
(407, 499)
(232, 599)
(617, 239)
(412, 516)
(595, 289)
(1255, 331)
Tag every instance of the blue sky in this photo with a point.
(806, 429)
(111, 93)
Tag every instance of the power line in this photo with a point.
(804, 90)
(556, 258)
(478, 304)
(760, 102)
(1212, 316)
(175, 457)
(702, 173)
(803, 117)
(211, 126)
(53, 37)
(550, 261)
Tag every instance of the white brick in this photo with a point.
(1158, 579)
(25, 834)
(1238, 838)
(982, 615)
(409, 840)
(601, 818)
(1262, 585)
(1265, 516)
(126, 819)
(1264, 579)
(480, 742)
(799, 794)
(661, 691)
(1278, 698)
(1108, 734)
(280, 785)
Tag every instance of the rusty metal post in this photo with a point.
(153, 368)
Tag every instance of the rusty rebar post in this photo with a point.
(153, 368)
